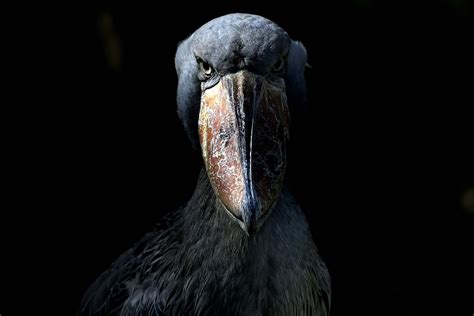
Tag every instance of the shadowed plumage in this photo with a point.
(241, 245)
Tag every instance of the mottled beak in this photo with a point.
(243, 129)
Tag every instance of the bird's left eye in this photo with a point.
(206, 68)
(278, 66)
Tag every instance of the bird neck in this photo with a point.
(214, 245)
(205, 218)
(206, 222)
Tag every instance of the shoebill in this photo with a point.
(241, 245)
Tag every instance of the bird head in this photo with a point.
(237, 75)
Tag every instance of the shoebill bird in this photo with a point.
(241, 245)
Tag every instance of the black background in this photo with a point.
(379, 160)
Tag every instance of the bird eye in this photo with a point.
(278, 66)
(205, 67)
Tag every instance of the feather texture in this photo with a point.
(201, 263)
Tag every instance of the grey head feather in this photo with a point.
(295, 80)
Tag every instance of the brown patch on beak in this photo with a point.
(243, 128)
(220, 147)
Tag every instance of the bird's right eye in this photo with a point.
(205, 67)
(278, 66)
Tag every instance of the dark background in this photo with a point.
(381, 161)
